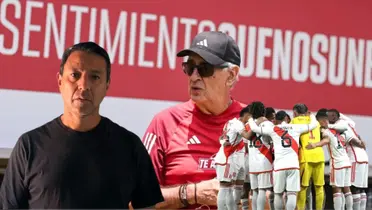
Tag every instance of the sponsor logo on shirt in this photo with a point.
(206, 164)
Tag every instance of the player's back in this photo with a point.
(315, 155)
(232, 131)
(286, 144)
(260, 156)
(356, 154)
(336, 149)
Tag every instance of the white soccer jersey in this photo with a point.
(336, 148)
(231, 132)
(356, 154)
(285, 139)
(260, 156)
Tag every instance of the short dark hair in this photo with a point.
(323, 110)
(335, 111)
(244, 111)
(289, 117)
(89, 47)
(257, 109)
(321, 115)
(300, 108)
(281, 115)
(269, 111)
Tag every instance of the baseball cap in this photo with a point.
(214, 47)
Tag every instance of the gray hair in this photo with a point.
(236, 79)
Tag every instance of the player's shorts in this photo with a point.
(233, 170)
(312, 171)
(359, 175)
(340, 177)
(261, 180)
(246, 168)
(288, 180)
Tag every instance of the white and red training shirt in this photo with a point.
(356, 154)
(181, 141)
(232, 132)
(336, 148)
(286, 138)
(260, 155)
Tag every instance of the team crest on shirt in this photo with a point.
(206, 164)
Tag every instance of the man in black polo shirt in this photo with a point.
(80, 159)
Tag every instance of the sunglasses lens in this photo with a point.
(204, 69)
(188, 68)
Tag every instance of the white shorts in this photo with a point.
(288, 180)
(246, 168)
(359, 175)
(340, 177)
(261, 180)
(233, 170)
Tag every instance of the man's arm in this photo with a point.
(147, 191)
(339, 126)
(348, 120)
(155, 142)
(305, 128)
(13, 192)
(247, 134)
(325, 140)
(262, 130)
(357, 143)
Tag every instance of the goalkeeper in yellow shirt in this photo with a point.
(311, 161)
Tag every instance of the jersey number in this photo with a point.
(286, 140)
(256, 142)
(340, 141)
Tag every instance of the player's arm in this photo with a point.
(14, 192)
(262, 130)
(325, 140)
(247, 134)
(304, 128)
(357, 143)
(348, 120)
(339, 126)
(147, 191)
(155, 143)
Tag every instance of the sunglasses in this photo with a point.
(204, 69)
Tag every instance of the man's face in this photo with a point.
(332, 117)
(287, 120)
(203, 89)
(83, 84)
(323, 122)
(246, 117)
(271, 117)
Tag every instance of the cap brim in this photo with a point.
(206, 55)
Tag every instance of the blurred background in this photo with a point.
(317, 52)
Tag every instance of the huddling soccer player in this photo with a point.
(260, 162)
(340, 177)
(285, 139)
(229, 160)
(358, 156)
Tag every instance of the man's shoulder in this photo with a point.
(44, 129)
(301, 120)
(178, 111)
(118, 130)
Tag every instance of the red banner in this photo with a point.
(316, 53)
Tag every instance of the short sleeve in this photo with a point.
(13, 192)
(147, 192)
(153, 142)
